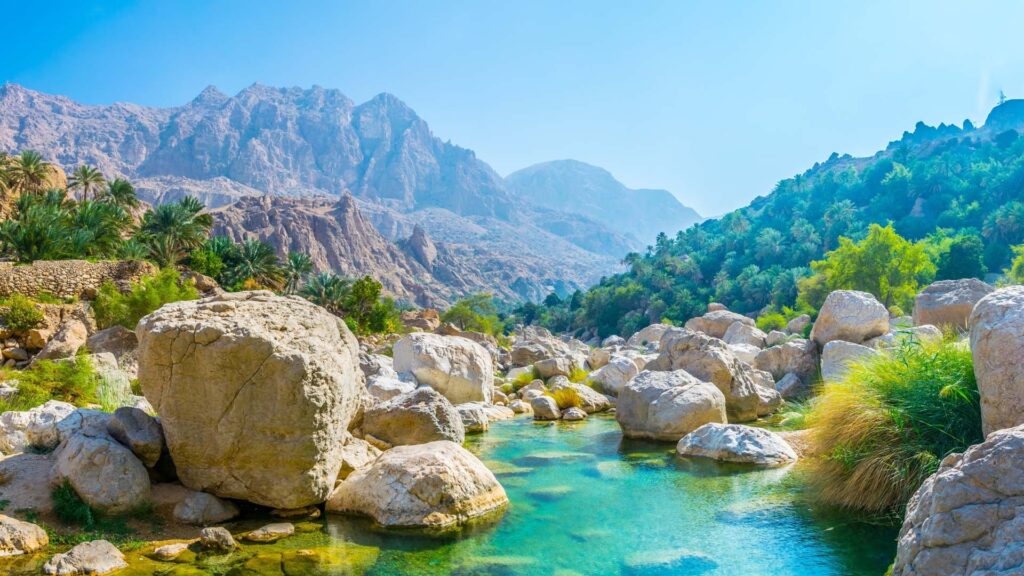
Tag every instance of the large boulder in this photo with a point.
(255, 393)
(70, 337)
(668, 405)
(837, 356)
(119, 341)
(355, 454)
(139, 432)
(797, 356)
(457, 367)
(649, 336)
(384, 388)
(611, 377)
(967, 518)
(716, 323)
(544, 408)
(474, 417)
(737, 443)
(87, 559)
(417, 417)
(710, 360)
(744, 333)
(36, 428)
(18, 537)
(799, 324)
(997, 344)
(551, 367)
(849, 315)
(436, 485)
(105, 474)
(949, 302)
(591, 401)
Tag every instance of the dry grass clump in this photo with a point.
(566, 398)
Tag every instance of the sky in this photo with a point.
(714, 101)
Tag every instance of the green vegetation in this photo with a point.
(1015, 273)
(89, 524)
(358, 302)
(771, 321)
(22, 314)
(884, 427)
(565, 398)
(74, 381)
(112, 307)
(578, 375)
(478, 313)
(69, 507)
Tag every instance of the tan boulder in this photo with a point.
(717, 322)
(18, 537)
(417, 417)
(457, 367)
(997, 345)
(667, 405)
(851, 316)
(87, 559)
(737, 443)
(949, 302)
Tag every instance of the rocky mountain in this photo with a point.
(310, 143)
(573, 186)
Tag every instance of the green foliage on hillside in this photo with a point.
(358, 302)
(22, 314)
(111, 306)
(478, 313)
(959, 191)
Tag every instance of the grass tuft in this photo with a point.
(565, 398)
(524, 379)
(578, 375)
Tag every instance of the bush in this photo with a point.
(112, 307)
(74, 381)
(22, 314)
(524, 379)
(565, 398)
(885, 426)
(578, 375)
(69, 507)
(771, 321)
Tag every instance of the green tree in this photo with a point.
(121, 193)
(87, 180)
(171, 231)
(964, 259)
(477, 313)
(1015, 273)
(28, 172)
(257, 263)
(296, 267)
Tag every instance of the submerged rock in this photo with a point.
(218, 539)
(271, 532)
(660, 562)
(737, 443)
(88, 558)
(434, 485)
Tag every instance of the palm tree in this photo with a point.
(28, 172)
(296, 267)
(40, 228)
(87, 179)
(258, 262)
(172, 230)
(326, 289)
(121, 193)
(98, 228)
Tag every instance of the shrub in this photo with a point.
(74, 381)
(22, 314)
(524, 379)
(771, 321)
(578, 375)
(885, 426)
(112, 307)
(69, 507)
(565, 398)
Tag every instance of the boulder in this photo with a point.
(715, 307)
(651, 335)
(521, 407)
(997, 343)
(271, 532)
(526, 353)
(744, 333)
(613, 376)
(797, 356)
(66, 342)
(457, 367)
(356, 454)
(436, 485)
(799, 324)
(545, 408)
(25, 481)
(599, 357)
(384, 388)
(850, 315)
(551, 367)
(202, 509)
(894, 338)
(949, 302)
(613, 340)
(169, 552)
(377, 365)
(744, 352)
(121, 343)
(768, 400)
(87, 559)
(791, 387)
(573, 414)
(139, 432)
(737, 443)
(417, 417)
(668, 405)
(287, 385)
(967, 518)
(716, 323)
(837, 356)
(710, 360)
(775, 337)
(474, 418)
(217, 538)
(591, 401)
(18, 537)
(35, 428)
(105, 474)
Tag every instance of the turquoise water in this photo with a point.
(585, 501)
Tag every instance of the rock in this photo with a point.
(417, 417)
(744, 352)
(573, 414)
(202, 509)
(35, 428)
(716, 323)
(356, 454)
(737, 443)
(218, 539)
(709, 359)
(744, 333)
(918, 334)
(499, 398)
(271, 532)
(377, 365)
(169, 552)
(591, 401)
(426, 320)
(517, 372)
(668, 405)
(87, 558)
(997, 341)
(521, 407)
(611, 378)
(851, 316)
(435, 485)
(662, 562)
(613, 340)
(119, 341)
(526, 353)
(105, 474)
(545, 408)
(288, 361)
(799, 324)
(139, 432)
(457, 367)
(598, 358)
(474, 418)
(16, 353)
(71, 336)
(775, 337)
(18, 537)
(551, 367)
(791, 387)
(494, 412)
(768, 400)
(25, 482)
(967, 517)
(837, 356)
(651, 335)
(384, 388)
(797, 356)
(715, 307)
(949, 302)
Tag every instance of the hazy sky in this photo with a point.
(715, 101)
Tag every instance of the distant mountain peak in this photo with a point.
(1009, 114)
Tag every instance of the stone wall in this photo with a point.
(68, 278)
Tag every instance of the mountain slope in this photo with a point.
(573, 186)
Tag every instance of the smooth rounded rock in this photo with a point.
(417, 417)
(460, 369)
(737, 443)
(997, 345)
(850, 315)
(668, 405)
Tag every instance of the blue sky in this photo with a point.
(715, 101)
